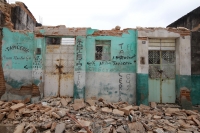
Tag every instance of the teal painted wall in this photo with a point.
(79, 67)
(114, 79)
(195, 91)
(123, 54)
(142, 89)
(17, 57)
(39, 49)
(182, 81)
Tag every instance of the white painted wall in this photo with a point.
(142, 51)
(182, 47)
(185, 55)
(108, 85)
(23, 76)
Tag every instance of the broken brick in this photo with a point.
(17, 106)
(106, 110)
(118, 112)
(127, 109)
(11, 115)
(78, 106)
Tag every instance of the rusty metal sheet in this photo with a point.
(66, 84)
(53, 49)
(56, 57)
(64, 56)
(49, 56)
(51, 84)
(63, 49)
(59, 69)
(48, 63)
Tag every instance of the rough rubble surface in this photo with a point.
(63, 115)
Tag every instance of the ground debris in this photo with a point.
(55, 114)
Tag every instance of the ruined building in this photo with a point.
(192, 21)
(138, 65)
(14, 17)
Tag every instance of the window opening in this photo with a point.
(60, 41)
(53, 40)
(68, 41)
(103, 50)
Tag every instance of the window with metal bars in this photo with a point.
(60, 41)
(102, 50)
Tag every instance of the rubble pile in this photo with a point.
(95, 116)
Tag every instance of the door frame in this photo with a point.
(161, 45)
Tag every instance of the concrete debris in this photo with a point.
(95, 116)
(117, 27)
(153, 105)
(106, 110)
(17, 106)
(91, 102)
(118, 112)
(19, 128)
(60, 128)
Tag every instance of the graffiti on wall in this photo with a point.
(128, 83)
(79, 48)
(120, 87)
(117, 63)
(37, 66)
(121, 53)
(17, 47)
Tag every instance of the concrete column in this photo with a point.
(79, 68)
(142, 72)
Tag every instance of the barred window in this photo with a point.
(60, 41)
(102, 50)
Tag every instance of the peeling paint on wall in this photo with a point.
(17, 57)
(113, 79)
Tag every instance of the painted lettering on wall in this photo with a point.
(121, 52)
(79, 80)
(121, 63)
(79, 49)
(14, 47)
(105, 63)
(130, 47)
(92, 63)
(123, 57)
(120, 87)
(19, 61)
(16, 58)
(109, 63)
(128, 81)
(37, 64)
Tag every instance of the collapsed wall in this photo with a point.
(15, 17)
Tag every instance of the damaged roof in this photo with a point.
(25, 8)
(60, 30)
(180, 30)
(194, 13)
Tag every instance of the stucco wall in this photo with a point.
(183, 60)
(22, 65)
(17, 58)
(79, 68)
(114, 79)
